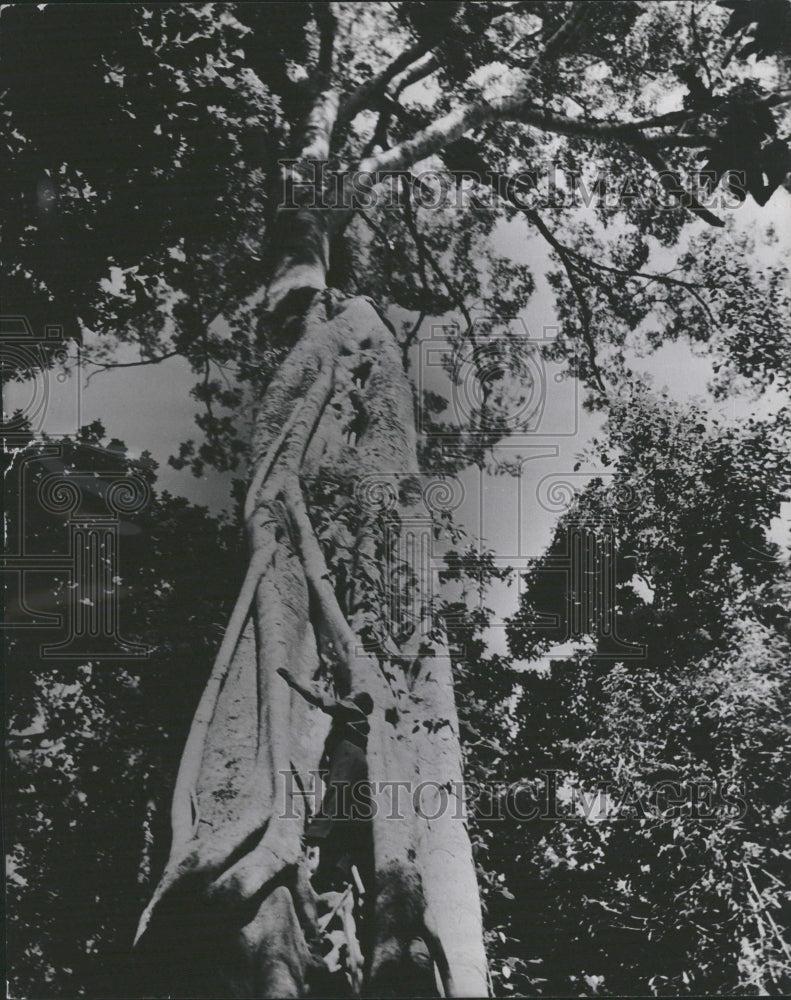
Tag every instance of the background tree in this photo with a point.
(684, 888)
(181, 147)
(92, 746)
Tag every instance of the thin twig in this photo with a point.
(664, 279)
(585, 310)
(411, 336)
(411, 222)
(128, 364)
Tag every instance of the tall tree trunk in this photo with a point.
(235, 910)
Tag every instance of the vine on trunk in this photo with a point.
(239, 817)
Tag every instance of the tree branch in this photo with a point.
(563, 253)
(367, 92)
(551, 121)
(672, 183)
(587, 128)
(129, 364)
(421, 257)
(585, 310)
(664, 279)
(453, 125)
(421, 69)
(401, 72)
(518, 107)
(411, 336)
(424, 255)
(327, 23)
(567, 30)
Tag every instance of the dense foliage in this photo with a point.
(93, 746)
(682, 883)
(148, 136)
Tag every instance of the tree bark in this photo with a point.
(336, 421)
(316, 633)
